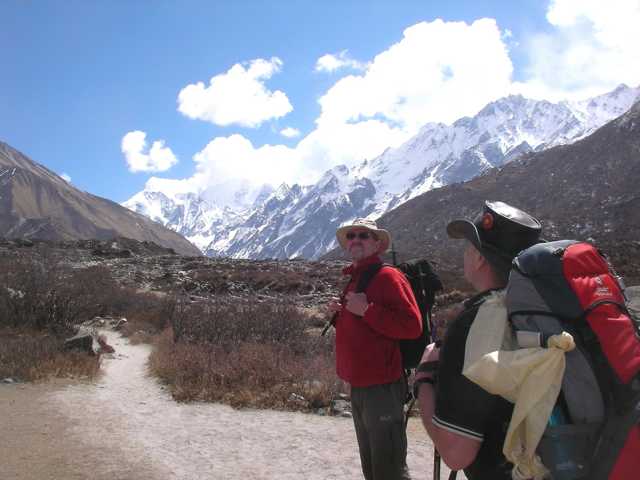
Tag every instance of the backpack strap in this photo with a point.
(366, 276)
(332, 321)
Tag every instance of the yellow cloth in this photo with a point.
(530, 378)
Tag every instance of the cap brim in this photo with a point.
(464, 229)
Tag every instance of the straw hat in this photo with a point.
(363, 223)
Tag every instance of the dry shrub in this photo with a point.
(33, 355)
(448, 307)
(41, 301)
(450, 298)
(43, 294)
(247, 355)
(272, 277)
(147, 313)
(229, 321)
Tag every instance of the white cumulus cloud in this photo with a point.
(439, 71)
(592, 48)
(290, 132)
(345, 144)
(332, 62)
(235, 157)
(65, 177)
(157, 159)
(238, 96)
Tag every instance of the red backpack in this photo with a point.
(594, 431)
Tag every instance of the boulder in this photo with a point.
(341, 408)
(299, 400)
(119, 324)
(84, 341)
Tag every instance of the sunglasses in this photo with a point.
(360, 235)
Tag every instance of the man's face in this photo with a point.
(361, 243)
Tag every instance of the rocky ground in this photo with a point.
(147, 266)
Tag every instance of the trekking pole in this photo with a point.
(329, 324)
(436, 464)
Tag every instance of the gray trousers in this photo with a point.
(378, 415)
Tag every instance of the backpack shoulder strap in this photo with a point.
(367, 275)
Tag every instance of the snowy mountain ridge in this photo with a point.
(300, 221)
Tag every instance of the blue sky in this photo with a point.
(115, 93)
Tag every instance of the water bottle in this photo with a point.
(559, 449)
(557, 417)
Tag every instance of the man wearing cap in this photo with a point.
(368, 327)
(467, 424)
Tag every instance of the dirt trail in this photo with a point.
(125, 426)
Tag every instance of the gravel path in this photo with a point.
(125, 426)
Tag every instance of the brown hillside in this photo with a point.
(36, 203)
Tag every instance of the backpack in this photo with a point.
(424, 283)
(594, 430)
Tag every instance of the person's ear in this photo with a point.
(479, 261)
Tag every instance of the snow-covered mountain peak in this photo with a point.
(237, 219)
(598, 110)
(281, 192)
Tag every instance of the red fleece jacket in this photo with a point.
(367, 348)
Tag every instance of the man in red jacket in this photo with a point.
(368, 328)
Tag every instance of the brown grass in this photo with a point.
(28, 355)
(147, 314)
(44, 294)
(41, 302)
(247, 355)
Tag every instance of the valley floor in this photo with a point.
(126, 426)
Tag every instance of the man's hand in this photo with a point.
(334, 305)
(357, 303)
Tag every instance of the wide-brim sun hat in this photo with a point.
(499, 233)
(360, 224)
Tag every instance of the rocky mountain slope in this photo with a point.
(586, 191)
(298, 220)
(37, 203)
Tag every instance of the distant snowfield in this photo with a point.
(126, 426)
